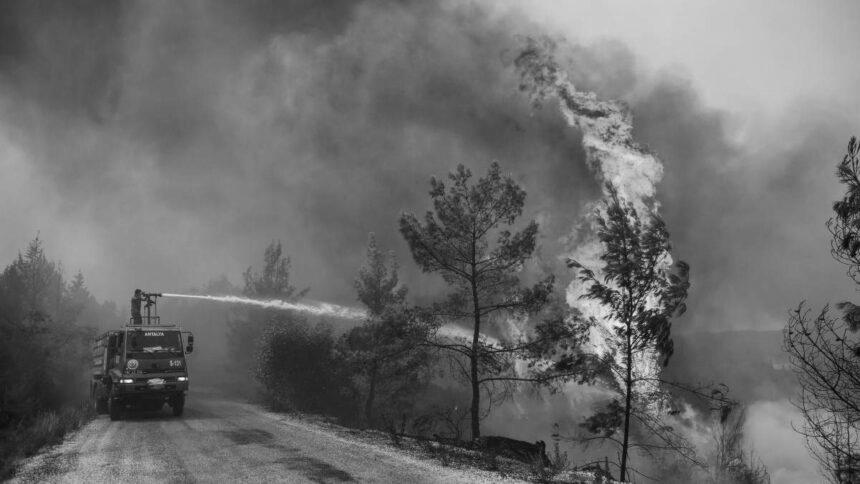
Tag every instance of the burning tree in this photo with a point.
(639, 294)
(466, 238)
(824, 351)
(730, 461)
(385, 351)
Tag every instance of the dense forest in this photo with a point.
(46, 323)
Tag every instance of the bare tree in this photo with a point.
(824, 350)
(730, 462)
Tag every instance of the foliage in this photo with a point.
(388, 362)
(47, 326)
(385, 353)
(388, 366)
(273, 282)
(296, 366)
(845, 226)
(293, 360)
(467, 239)
(640, 293)
(824, 351)
(377, 283)
(44, 351)
(46, 428)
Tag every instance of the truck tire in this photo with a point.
(99, 404)
(178, 404)
(114, 409)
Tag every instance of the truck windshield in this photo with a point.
(154, 342)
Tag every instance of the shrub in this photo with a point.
(297, 367)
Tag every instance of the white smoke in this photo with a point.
(315, 308)
(613, 156)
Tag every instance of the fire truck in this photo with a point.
(142, 365)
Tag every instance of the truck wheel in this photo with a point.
(178, 404)
(101, 406)
(114, 408)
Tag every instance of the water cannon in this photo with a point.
(149, 297)
(150, 304)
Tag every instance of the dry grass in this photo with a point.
(47, 428)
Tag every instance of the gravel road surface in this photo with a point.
(220, 440)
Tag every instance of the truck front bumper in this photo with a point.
(152, 385)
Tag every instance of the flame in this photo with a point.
(613, 156)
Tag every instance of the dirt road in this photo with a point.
(219, 440)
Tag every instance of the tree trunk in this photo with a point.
(476, 390)
(371, 393)
(628, 383)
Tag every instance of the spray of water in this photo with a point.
(315, 308)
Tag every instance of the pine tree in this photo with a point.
(641, 295)
(467, 239)
(385, 351)
(271, 282)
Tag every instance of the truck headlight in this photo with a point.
(182, 378)
(126, 380)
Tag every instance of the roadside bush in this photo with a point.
(50, 427)
(298, 370)
(47, 428)
(246, 328)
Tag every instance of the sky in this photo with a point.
(160, 146)
(752, 58)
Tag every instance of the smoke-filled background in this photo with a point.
(161, 144)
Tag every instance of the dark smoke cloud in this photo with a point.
(214, 128)
(162, 144)
(159, 145)
(748, 216)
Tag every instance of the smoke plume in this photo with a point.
(615, 159)
(162, 144)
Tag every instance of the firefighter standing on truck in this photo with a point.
(135, 307)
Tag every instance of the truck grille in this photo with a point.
(160, 370)
(146, 379)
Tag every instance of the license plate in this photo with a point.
(155, 382)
